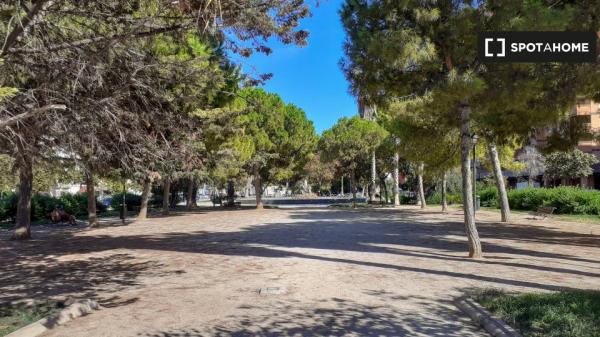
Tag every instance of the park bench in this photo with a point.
(544, 211)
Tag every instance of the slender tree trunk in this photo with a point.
(166, 195)
(91, 199)
(195, 196)
(466, 143)
(145, 198)
(396, 179)
(342, 192)
(190, 195)
(23, 227)
(384, 186)
(230, 193)
(258, 187)
(444, 192)
(353, 188)
(372, 186)
(420, 171)
(504, 207)
(174, 197)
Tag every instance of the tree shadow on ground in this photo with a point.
(333, 317)
(37, 278)
(406, 233)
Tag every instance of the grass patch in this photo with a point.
(562, 314)
(15, 317)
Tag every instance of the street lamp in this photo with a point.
(474, 139)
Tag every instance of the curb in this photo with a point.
(77, 309)
(479, 315)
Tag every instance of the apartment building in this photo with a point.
(588, 112)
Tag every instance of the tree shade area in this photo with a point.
(141, 108)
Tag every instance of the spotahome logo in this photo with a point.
(537, 47)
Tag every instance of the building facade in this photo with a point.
(588, 113)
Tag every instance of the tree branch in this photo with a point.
(19, 29)
(17, 118)
(98, 39)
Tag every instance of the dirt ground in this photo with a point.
(293, 272)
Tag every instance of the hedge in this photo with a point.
(567, 200)
(436, 198)
(42, 205)
(133, 201)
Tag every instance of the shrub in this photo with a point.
(488, 196)
(436, 198)
(567, 200)
(8, 206)
(42, 205)
(132, 200)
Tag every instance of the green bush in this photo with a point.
(567, 200)
(436, 199)
(488, 196)
(133, 201)
(42, 205)
(8, 206)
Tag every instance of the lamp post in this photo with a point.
(474, 139)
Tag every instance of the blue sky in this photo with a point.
(310, 76)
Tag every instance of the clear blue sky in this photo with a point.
(310, 76)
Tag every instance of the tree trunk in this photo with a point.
(504, 207)
(258, 188)
(189, 199)
(342, 192)
(372, 186)
(384, 186)
(444, 192)
(353, 188)
(396, 179)
(23, 227)
(470, 226)
(166, 194)
(420, 170)
(195, 196)
(230, 193)
(91, 199)
(145, 198)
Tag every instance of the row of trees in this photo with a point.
(139, 89)
(417, 63)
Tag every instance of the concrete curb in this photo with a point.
(77, 309)
(479, 315)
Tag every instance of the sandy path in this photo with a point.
(344, 273)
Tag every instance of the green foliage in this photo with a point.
(76, 204)
(8, 179)
(573, 164)
(567, 200)
(8, 205)
(282, 139)
(452, 198)
(42, 205)
(132, 201)
(488, 196)
(350, 140)
(561, 314)
(16, 316)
